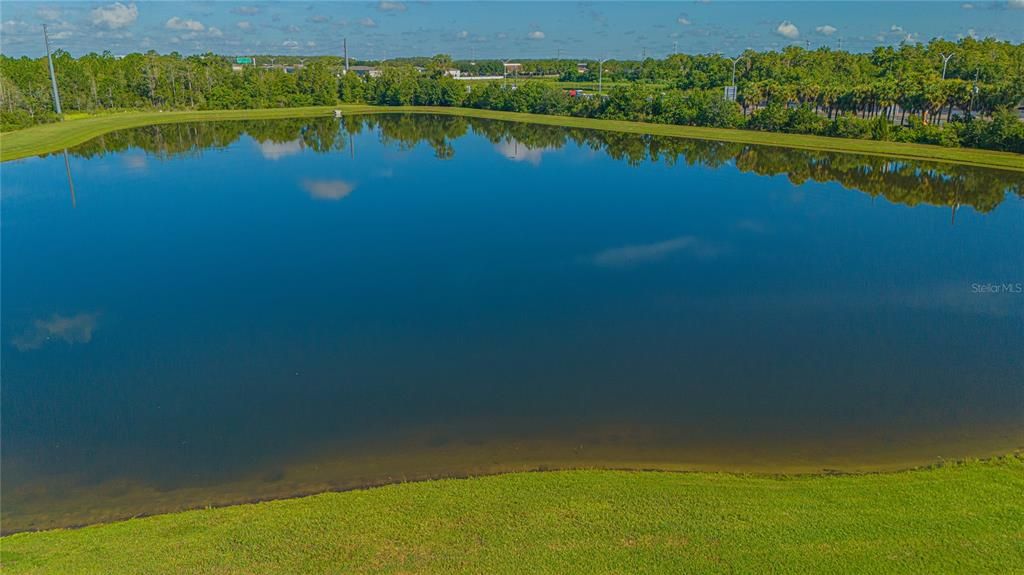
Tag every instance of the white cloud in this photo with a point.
(535, 35)
(682, 21)
(827, 30)
(9, 26)
(71, 329)
(244, 25)
(367, 23)
(48, 13)
(319, 19)
(293, 29)
(245, 10)
(391, 7)
(462, 34)
(787, 29)
(328, 189)
(176, 23)
(62, 35)
(967, 6)
(290, 44)
(896, 28)
(1016, 4)
(115, 15)
(215, 32)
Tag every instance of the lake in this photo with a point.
(205, 314)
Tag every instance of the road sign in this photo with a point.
(243, 60)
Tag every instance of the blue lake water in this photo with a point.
(235, 311)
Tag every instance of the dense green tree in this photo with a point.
(896, 93)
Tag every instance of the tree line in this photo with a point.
(953, 94)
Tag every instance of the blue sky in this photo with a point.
(579, 30)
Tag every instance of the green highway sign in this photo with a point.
(243, 60)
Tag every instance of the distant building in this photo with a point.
(364, 71)
(453, 73)
(581, 67)
(513, 67)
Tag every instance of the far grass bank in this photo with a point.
(55, 137)
(958, 518)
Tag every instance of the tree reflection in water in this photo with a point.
(908, 182)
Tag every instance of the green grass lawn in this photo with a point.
(54, 137)
(959, 518)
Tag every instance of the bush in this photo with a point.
(771, 118)
(881, 129)
(805, 120)
(1004, 132)
(850, 126)
(17, 118)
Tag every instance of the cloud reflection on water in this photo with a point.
(73, 329)
(278, 150)
(519, 152)
(332, 190)
(631, 255)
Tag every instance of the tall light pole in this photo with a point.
(974, 92)
(53, 77)
(734, 62)
(945, 60)
(600, 76)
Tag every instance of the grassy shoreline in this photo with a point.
(964, 517)
(55, 137)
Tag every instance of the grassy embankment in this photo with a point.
(54, 137)
(960, 518)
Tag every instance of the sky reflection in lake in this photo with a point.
(244, 310)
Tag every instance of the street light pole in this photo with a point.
(53, 77)
(600, 77)
(945, 60)
(974, 92)
(734, 62)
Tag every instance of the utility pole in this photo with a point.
(974, 92)
(600, 77)
(344, 45)
(945, 60)
(71, 182)
(53, 77)
(840, 41)
(675, 47)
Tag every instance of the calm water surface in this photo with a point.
(227, 312)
